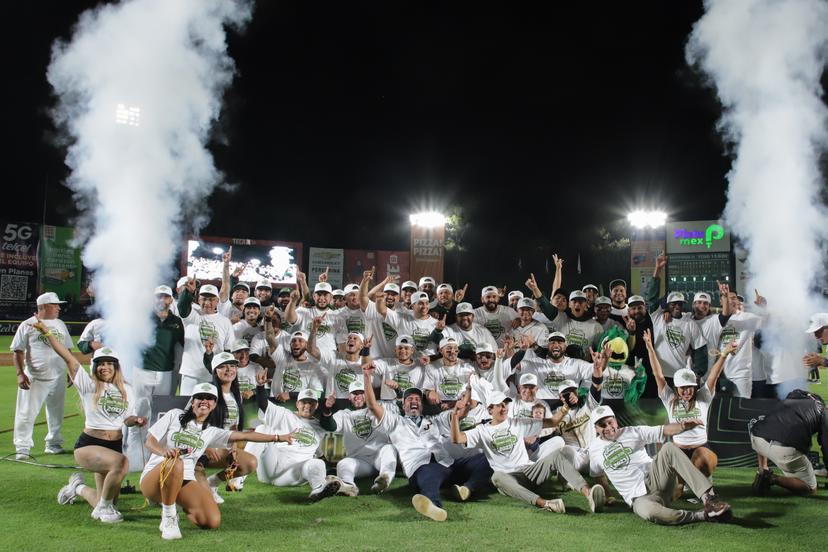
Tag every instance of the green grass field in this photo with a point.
(266, 518)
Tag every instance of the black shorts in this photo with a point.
(688, 452)
(87, 440)
(202, 461)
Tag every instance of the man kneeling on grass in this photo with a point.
(645, 483)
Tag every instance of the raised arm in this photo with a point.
(718, 366)
(557, 282)
(64, 353)
(364, 294)
(290, 310)
(370, 398)
(313, 350)
(658, 373)
(224, 292)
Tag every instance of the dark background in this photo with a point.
(542, 123)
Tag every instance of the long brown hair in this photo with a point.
(117, 381)
(676, 399)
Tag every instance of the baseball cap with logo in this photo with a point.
(49, 298)
(163, 290)
(635, 299)
(818, 320)
(567, 384)
(577, 294)
(590, 286)
(351, 288)
(600, 413)
(338, 293)
(701, 296)
(675, 297)
(465, 308)
(404, 341)
(528, 379)
(322, 287)
(104, 353)
(253, 301)
(441, 287)
(603, 300)
(208, 289)
(265, 284)
(526, 303)
(222, 358)
(299, 335)
(483, 348)
(242, 285)
(392, 287)
(684, 378)
(487, 290)
(308, 395)
(419, 296)
(427, 280)
(408, 284)
(356, 386)
(498, 397)
(447, 341)
(617, 282)
(556, 336)
(513, 294)
(239, 345)
(205, 388)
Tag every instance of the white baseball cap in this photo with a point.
(818, 321)
(483, 348)
(338, 293)
(418, 296)
(684, 378)
(163, 290)
(526, 303)
(497, 397)
(528, 379)
(299, 335)
(351, 288)
(675, 297)
(447, 341)
(464, 308)
(264, 284)
(590, 286)
(252, 301)
(355, 386)
(701, 296)
(427, 280)
(308, 395)
(222, 358)
(205, 388)
(390, 286)
(487, 290)
(602, 300)
(577, 294)
(105, 353)
(600, 413)
(359, 335)
(635, 299)
(322, 287)
(208, 289)
(404, 341)
(239, 345)
(49, 298)
(242, 285)
(408, 284)
(445, 286)
(567, 384)
(513, 294)
(556, 336)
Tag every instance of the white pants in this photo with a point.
(29, 403)
(353, 467)
(282, 467)
(145, 384)
(744, 386)
(188, 382)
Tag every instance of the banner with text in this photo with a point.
(332, 260)
(18, 269)
(60, 263)
(697, 236)
(427, 252)
(386, 262)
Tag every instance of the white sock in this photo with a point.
(213, 480)
(79, 488)
(104, 503)
(168, 510)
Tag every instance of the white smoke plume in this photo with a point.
(139, 86)
(765, 59)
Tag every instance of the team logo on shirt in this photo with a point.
(674, 337)
(389, 332)
(245, 384)
(44, 338)
(729, 333)
(304, 436)
(503, 441)
(681, 412)
(291, 380)
(232, 415)
(614, 385)
(403, 380)
(450, 386)
(355, 324)
(362, 427)
(187, 440)
(111, 403)
(467, 423)
(207, 330)
(324, 329)
(420, 339)
(495, 327)
(616, 456)
(345, 378)
(576, 336)
(552, 381)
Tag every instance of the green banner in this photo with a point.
(60, 263)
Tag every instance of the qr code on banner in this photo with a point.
(13, 287)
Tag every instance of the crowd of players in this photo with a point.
(416, 379)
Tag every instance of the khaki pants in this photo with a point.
(515, 484)
(669, 463)
(792, 462)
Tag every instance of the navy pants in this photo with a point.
(473, 472)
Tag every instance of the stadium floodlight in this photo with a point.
(218, 250)
(428, 219)
(127, 115)
(647, 219)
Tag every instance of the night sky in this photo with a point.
(346, 116)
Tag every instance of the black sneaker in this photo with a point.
(716, 510)
(762, 482)
(330, 489)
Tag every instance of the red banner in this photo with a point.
(386, 262)
(427, 247)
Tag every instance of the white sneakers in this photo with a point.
(235, 485)
(22, 454)
(54, 450)
(597, 498)
(348, 489)
(463, 492)
(107, 514)
(380, 484)
(426, 507)
(556, 505)
(169, 528)
(216, 496)
(69, 492)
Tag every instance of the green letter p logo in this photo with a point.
(713, 232)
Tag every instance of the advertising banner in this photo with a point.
(643, 254)
(276, 261)
(427, 252)
(61, 270)
(18, 268)
(697, 236)
(394, 263)
(320, 259)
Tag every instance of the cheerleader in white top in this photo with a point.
(108, 405)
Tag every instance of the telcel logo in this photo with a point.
(695, 237)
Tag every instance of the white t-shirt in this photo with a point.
(474, 336)
(307, 434)
(351, 320)
(363, 438)
(499, 322)
(326, 334)
(578, 332)
(384, 335)
(416, 443)
(94, 331)
(519, 408)
(40, 360)
(624, 460)
(679, 412)
(191, 441)
(406, 375)
(538, 331)
(673, 339)
(503, 443)
(497, 374)
(341, 373)
(246, 377)
(742, 326)
(293, 375)
(230, 310)
(243, 330)
(551, 375)
(111, 409)
(418, 329)
(476, 416)
(232, 419)
(448, 381)
(198, 328)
